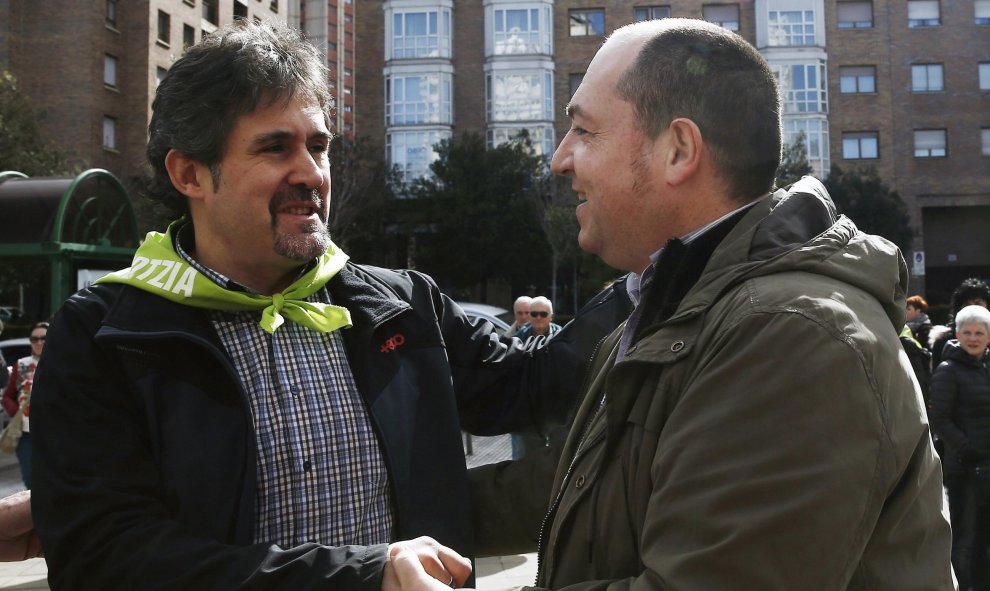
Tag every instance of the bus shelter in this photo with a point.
(68, 230)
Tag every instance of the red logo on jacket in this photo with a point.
(393, 342)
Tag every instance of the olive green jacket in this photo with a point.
(767, 436)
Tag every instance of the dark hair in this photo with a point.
(228, 74)
(42, 324)
(713, 77)
(969, 289)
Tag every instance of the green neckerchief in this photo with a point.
(157, 268)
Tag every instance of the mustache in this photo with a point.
(294, 196)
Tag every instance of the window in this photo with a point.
(160, 75)
(416, 99)
(791, 27)
(861, 145)
(815, 131)
(211, 12)
(240, 10)
(587, 23)
(923, 13)
(802, 88)
(421, 34)
(164, 27)
(109, 133)
(573, 81)
(112, 13)
(854, 15)
(982, 12)
(985, 76)
(723, 15)
(929, 143)
(412, 151)
(274, 6)
(857, 79)
(110, 70)
(985, 141)
(520, 96)
(519, 30)
(188, 36)
(540, 136)
(926, 78)
(647, 13)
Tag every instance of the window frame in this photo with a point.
(110, 14)
(110, 139)
(852, 24)
(927, 69)
(857, 78)
(650, 10)
(587, 24)
(983, 76)
(723, 23)
(410, 46)
(537, 38)
(419, 112)
(919, 23)
(858, 137)
(782, 34)
(981, 12)
(110, 63)
(985, 141)
(164, 26)
(540, 79)
(927, 152)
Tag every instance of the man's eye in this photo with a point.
(274, 148)
(318, 148)
(578, 130)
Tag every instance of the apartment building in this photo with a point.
(92, 66)
(329, 25)
(901, 86)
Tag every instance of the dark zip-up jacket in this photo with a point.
(961, 407)
(145, 450)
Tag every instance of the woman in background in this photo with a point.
(17, 395)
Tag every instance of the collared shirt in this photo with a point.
(320, 471)
(637, 283)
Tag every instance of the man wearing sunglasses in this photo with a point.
(540, 320)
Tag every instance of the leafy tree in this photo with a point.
(481, 208)
(869, 202)
(360, 192)
(794, 163)
(22, 146)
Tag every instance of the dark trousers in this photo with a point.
(969, 510)
(24, 458)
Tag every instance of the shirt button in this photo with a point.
(579, 482)
(307, 465)
(294, 390)
(677, 346)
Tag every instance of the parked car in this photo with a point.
(14, 349)
(500, 317)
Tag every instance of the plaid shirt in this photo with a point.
(321, 475)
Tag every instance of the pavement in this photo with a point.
(492, 573)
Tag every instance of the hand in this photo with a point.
(424, 565)
(18, 540)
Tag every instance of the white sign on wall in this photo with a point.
(918, 269)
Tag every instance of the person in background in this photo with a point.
(520, 308)
(960, 416)
(972, 291)
(540, 326)
(917, 319)
(541, 322)
(17, 395)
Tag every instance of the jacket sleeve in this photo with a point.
(10, 403)
(944, 392)
(775, 471)
(99, 504)
(508, 385)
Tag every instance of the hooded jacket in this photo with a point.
(961, 408)
(763, 431)
(145, 456)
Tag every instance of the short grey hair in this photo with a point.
(973, 315)
(542, 300)
(521, 300)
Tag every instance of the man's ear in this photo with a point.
(685, 150)
(190, 177)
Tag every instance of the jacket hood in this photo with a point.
(953, 350)
(798, 229)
